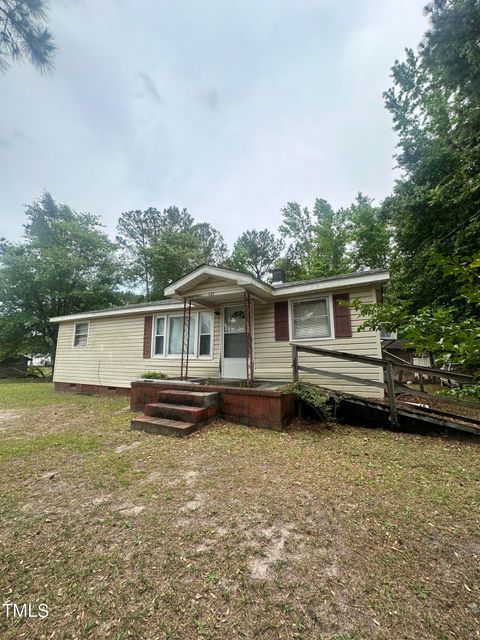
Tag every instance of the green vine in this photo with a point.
(317, 398)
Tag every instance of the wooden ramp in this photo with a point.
(409, 417)
(393, 411)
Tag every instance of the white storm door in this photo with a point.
(234, 343)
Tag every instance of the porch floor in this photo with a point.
(239, 382)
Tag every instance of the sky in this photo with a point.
(231, 108)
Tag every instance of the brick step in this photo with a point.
(180, 412)
(196, 398)
(163, 426)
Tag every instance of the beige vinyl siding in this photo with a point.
(215, 284)
(114, 354)
(273, 360)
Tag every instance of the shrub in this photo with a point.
(467, 392)
(315, 397)
(153, 375)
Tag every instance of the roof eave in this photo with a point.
(90, 315)
(326, 285)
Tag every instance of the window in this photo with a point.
(205, 334)
(159, 345)
(310, 319)
(175, 335)
(80, 337)
(234, 341)
(168, 335)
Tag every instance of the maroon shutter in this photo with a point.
(341, 314)
(147, 337)
(281, 321)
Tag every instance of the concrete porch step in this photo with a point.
(183, 412)
(163, 426)
(196, 398)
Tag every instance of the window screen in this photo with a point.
(159, 336)
(81, 334)
(205, 335)
(175, 335)
(310, 319)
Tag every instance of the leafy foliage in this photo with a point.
(315, 397)
(153, 375)
(65, 264)
(467, 392)
(434, 101)
(325, 242)
(317, 240)
(136, 232)
(24, 35)
(368, 234)
(161, 246)
(450, 332)
(256, 252)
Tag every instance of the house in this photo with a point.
(219, 324)
(397, 350)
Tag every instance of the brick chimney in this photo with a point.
(278, 276)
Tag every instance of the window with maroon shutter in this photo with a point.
(281, 321)
(147, 337)
(341, 315)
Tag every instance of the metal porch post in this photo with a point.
(187, 314)
(248, 337)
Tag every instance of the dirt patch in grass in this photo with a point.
(350, 534)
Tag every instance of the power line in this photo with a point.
(459, 226)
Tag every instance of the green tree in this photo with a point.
(176, 251)
(368, 234)
(161, 246)
(316, 241)
(213, 246)
(297, 229)
(329, 255)
(256, 252)
(451, 332)
(136, 233)
(434, 103)
(23, 34)
(65, 264)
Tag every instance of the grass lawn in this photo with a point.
(352, 534)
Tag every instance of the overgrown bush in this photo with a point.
(314, 397)
(153, 375)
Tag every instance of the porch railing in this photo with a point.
(385, 364)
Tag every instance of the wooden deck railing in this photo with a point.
(386, 366)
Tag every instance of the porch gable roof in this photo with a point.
(185, 287)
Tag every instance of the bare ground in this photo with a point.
(351, 534)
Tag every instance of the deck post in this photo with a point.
(295, 362)
(420, 380)
(391, 394)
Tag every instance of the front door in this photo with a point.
(234, 343)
